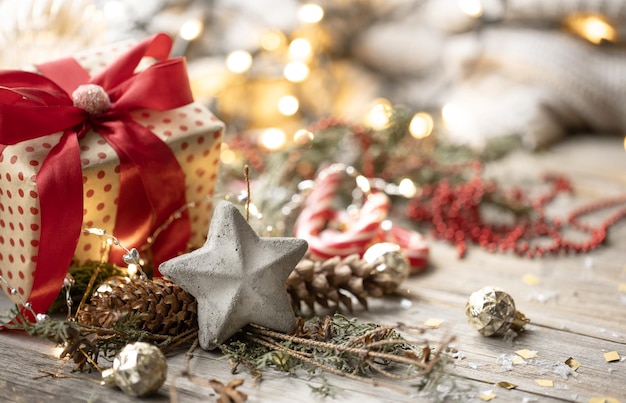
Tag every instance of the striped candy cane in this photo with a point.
(357, 232)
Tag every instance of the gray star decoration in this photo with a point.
(237, 277)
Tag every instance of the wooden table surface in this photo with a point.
(576, 308)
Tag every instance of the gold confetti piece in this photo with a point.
(572, 363)
(622, 287)
(488, 396)
(526, 353)
(530, 279)
(434, 322)
(611, 356)
(548, 383)
(517, 360)
(604, 400)
(506, 385)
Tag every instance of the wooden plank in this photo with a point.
(572, 291)
(553, 346)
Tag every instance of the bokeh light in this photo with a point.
(239, 61)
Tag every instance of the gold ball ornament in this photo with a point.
(139, 369)
(492, 312)
(387, 258)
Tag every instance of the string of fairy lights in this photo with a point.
(297, 54)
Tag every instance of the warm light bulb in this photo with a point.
(227, 156)
(296, 71)
(386, 225)
(191, 29)
(303, 137)
(421, 125)
(254, 211)
(593, 27)
(273, 139)
(239, 61)
(300, 49)
(407, 188)
(288, 105)
(453, 116)
(272, 40)
(596, 29)
(58, 350)
(96, 231)
(379, 116)
(624, 149)
(310, 13)
(132, 270)
(473, 8)
(363, 183)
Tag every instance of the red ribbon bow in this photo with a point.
(152, 184)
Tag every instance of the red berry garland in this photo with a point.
(452, 200)
(454, 212)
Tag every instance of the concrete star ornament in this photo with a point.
(237, 277)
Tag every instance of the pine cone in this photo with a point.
(332, 282)
(165, 308)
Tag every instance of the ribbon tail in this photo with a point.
(134, 219)
(60, 185)
(152, 189)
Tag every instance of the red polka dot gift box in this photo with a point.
(108, 139)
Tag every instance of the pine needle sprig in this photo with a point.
(341, 346)
(84, 344)
(82, 273)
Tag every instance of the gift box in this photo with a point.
(140, 162)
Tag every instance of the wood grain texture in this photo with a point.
(576, 311)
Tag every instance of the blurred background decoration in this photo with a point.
(391, 80)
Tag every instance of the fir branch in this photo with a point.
(84, 343)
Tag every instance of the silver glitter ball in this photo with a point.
(387, 258)
(492, 312)
(139, 369)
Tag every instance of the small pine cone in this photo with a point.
(333, 282)
(165, 308)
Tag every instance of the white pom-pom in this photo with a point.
(92, 98)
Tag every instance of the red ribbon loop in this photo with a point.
(32, 105)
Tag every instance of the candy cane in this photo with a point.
(358, 232)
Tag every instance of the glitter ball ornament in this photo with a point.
(387, 258)
(139, 369)
(491, 311)
(92, 98)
